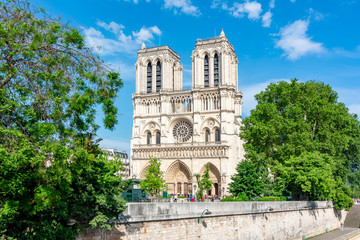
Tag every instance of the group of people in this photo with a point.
(192, 198)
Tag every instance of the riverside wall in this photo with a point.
(228, 220)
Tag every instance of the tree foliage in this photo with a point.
(200, 188)
(246, 181)
(203, 182)
(307, 176)
(205, 178)
(154, 181)
(51, 168)
(292, 119)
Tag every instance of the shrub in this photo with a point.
(241, 198)
(228, 199)
(269, 198)
(282, 198)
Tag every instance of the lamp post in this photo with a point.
(174, 188)
(270, 209)
(205, 212)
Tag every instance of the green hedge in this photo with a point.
(241, 198)
(271, 198)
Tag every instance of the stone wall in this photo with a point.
(229, 220)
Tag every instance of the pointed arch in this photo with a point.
(149, 77)
(174, 168)
(206, 70)
(217, 135)
(144, 171)
(216, 69)
(158, 76)
(215, 175)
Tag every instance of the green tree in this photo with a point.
(154, 181)
(51, 168)
(308, 176)
(205, 178)
(203, 182)
(294, 118)
(246, 181)
(200, 187)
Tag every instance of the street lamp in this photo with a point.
(270, 210)
(205, 212)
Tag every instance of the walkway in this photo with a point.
(348, 233)
(351, 229)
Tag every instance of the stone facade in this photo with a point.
(188, 129)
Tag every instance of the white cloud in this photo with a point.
(292, 1)
(136, 1)
(272, 4)
(146, 34)
(215, 3)
(317, 16)
(253, 9)
(184, 6)
(121, 42)
(295, 42)
(112, 26)
(266, 19)
(345, 53)
(156, 30)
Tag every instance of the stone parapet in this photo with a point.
(227, 221)
(142, 212)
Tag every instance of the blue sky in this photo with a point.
(274, 40)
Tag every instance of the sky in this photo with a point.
(274, 41)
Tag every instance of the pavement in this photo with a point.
(348, 233)
(351, 227)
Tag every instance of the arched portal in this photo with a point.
(178, 178)
(215, 177)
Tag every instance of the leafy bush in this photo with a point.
(241, 198)
(269, 198)
(282, 198)
(228, 199)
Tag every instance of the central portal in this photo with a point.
(178, 178)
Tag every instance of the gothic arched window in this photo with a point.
(149, 77)
(217, 135)
(158, 76)
(207, 135)
(148, 138)
(206, 71)
(158, 137)
(216, 70)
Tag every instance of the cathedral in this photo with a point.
(187, 129)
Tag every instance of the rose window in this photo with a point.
(182, 131)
